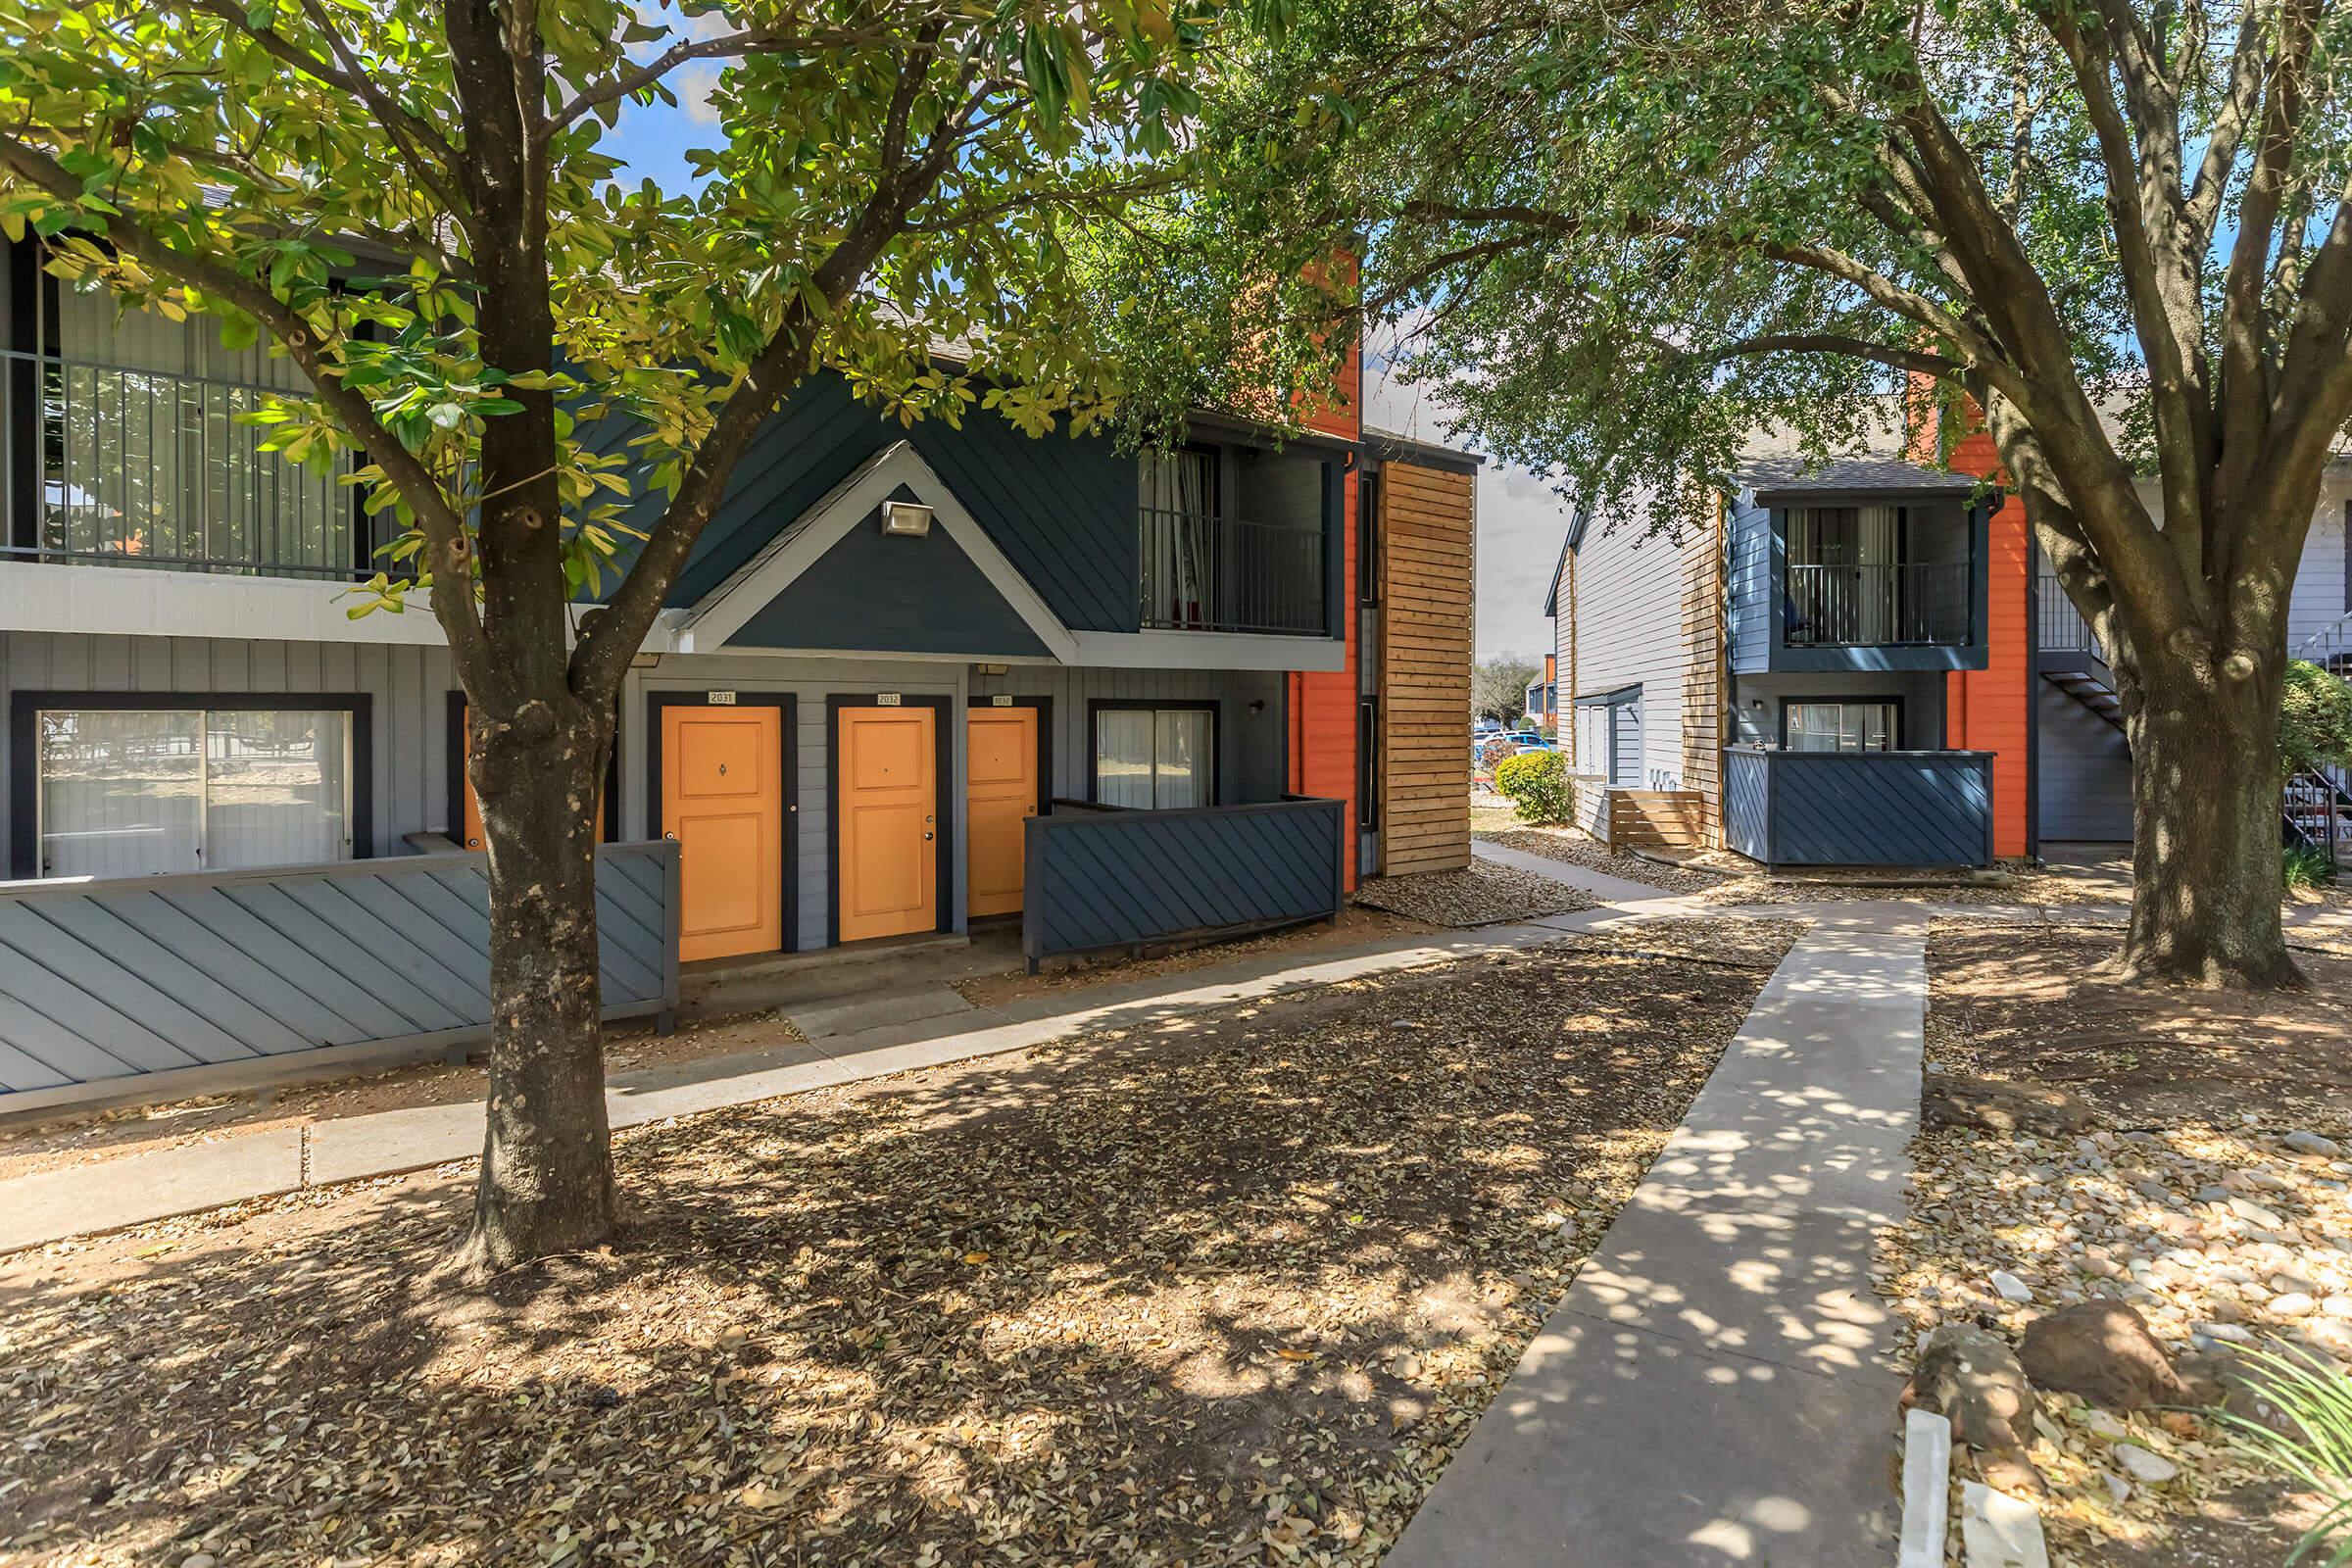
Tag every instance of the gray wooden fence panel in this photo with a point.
(1895, 809)
(112, 980)
(1099, 879)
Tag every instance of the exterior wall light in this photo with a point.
(908, 517)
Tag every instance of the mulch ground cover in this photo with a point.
(1229, 1289)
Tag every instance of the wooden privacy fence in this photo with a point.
(1923, 809)
(1100, 879)
(163, 981)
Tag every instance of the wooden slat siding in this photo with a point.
(1427, 566)
(407, 689)
(1703, 676)
(1751, 588)
(1658, 818)
(1989, 709)
(1112, 879)
(1862, 809)
(111, 979)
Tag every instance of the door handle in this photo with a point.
(671, 837)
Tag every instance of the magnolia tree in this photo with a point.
(413, 200)
(1639, 230)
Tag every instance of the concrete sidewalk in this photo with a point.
(891, 1032)
(1718, 1386)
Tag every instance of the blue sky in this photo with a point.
(653, 140)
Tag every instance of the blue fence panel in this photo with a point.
(108, 980)
(1100, 879)
(1863, 808)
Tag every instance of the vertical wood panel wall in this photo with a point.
(1428, 558)
(1703, 582)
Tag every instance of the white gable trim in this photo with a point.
(705, 628)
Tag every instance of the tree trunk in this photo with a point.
(2205, 806)
(547, 1163)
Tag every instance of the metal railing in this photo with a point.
(2059, 627)
(1198, 572)
(1902, 603)
(113, 466)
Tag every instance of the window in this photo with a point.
(1156, 759)
(1367, 765)
(1367, 538)
(133, 791)
(1870, 726)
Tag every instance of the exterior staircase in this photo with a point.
(2090, 689)
(2319, 799)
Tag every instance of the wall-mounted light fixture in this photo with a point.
(1257, 705)
(908, 517)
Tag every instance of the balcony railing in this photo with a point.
(1906, 602)
(1198, 573)
(2059, 627)
(111, 466)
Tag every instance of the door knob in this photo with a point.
(926, 836)
(671, 837)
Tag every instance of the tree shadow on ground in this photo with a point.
(1189, 1293)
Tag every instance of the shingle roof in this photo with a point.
(1794, 475)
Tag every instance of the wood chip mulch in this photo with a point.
(1227, 1289)
(1482, 893)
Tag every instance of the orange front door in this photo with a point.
(722, 798)
(1000, 794)
(889, 821)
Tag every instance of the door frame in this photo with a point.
(946, 801)
(788, 749)
(1045, 758)
(454, 771)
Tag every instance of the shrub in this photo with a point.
(1537, 785)
(2315, 1451)
(2315, 718)
(2307, 868)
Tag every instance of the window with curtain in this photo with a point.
(1178, 501)
(1841, 726)
(129, 791)
(1156, 759)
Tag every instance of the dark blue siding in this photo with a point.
(1062, 508)
(1751, 588)
(1110, 879)
(884, 594)
(1925, 809)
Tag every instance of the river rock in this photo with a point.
(1973, 1380)
(2102, 1350)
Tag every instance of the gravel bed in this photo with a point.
(1229, 1289)
(2206, 1183)
(1576, 848)
(1479, 894)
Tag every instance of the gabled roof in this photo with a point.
(858, 498)
(1775, 477)
(1577, 525)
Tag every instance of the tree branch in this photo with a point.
(444, 529)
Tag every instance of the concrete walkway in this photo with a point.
(1718, 1386)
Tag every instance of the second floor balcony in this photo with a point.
(1200, 572)
(1900, 604)
(111, 464)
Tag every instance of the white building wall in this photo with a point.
(1629, 603)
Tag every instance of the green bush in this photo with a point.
(2307, 868)
(1537, 786)
(2315, 718)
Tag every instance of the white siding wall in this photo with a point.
(2322, 595)
(408, 687)
(1628, 605)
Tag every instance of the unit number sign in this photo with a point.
(886, 699)
(722, 698)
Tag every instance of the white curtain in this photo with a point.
(121, 793)
(275, 784)
(1177, 494)
(1149, 759)
(1840, 727)
(159, 464)
(126, 793)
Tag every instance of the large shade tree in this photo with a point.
(413, 199)
(1639, 230)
